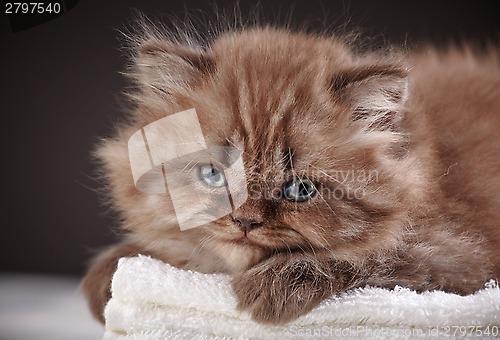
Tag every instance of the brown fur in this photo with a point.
(425, 123)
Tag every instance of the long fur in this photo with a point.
(403, 148)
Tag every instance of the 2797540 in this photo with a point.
(32, 7)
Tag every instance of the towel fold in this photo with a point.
(153, 300)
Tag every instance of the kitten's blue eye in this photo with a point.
(212, 176)
(299, 190)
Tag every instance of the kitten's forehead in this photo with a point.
(265, 94)
(269, 81)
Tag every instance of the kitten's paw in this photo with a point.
(277, 293)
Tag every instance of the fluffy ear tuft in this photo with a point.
(165, 67)
(376, 93)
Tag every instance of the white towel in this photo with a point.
(153, 300)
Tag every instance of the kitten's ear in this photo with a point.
(165, 66)
(376, 93)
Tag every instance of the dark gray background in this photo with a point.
(59, 85)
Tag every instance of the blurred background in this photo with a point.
(60, 91)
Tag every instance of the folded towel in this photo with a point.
(153, 300)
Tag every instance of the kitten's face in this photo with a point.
(316, 130)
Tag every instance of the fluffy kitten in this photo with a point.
(379, 169)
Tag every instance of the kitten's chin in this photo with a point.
(240, 254)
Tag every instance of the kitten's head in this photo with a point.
(321, 135)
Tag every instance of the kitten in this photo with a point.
(375, 169)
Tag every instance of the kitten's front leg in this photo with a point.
(287, 286)
(97, 282)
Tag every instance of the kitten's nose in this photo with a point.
(246, 224)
